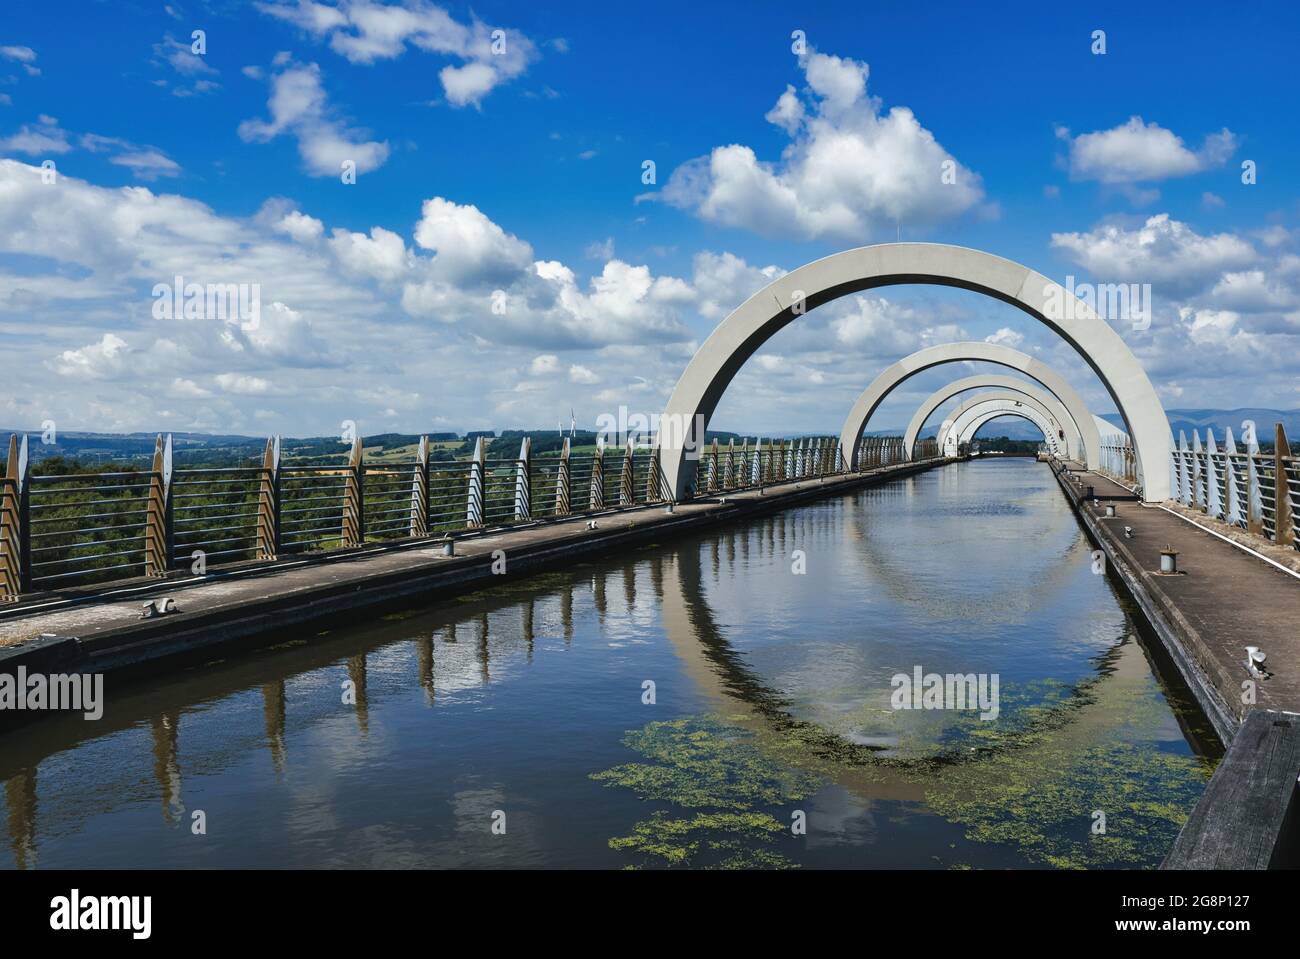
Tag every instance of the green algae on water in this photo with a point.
(726, 787)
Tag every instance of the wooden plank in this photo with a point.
(1247, 817)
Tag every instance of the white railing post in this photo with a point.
(1198, 473)
(1213, 501)
(562, 481)
(419, 525)
(1184, 470)
(596, 493)
(1232, 509)
(1254, 498)
(523, 490)
(474, 504)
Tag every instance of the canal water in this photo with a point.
(723, 701)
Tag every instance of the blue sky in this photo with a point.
(520, 170)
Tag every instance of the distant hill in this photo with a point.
(1185, 420)
(228, 449)
(1220, 420)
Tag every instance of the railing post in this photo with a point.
(652, 474)
(1198, 497)
(1232, 508)
(15, 577)
(474, 503)
(597, 494)
(626, 483)
(1254, 498)
(268, 502)
(158, 516)
(353, 497)
(523, 476)
(562, 493)
(1283, 524)
(420, 490)
(1213, 504)
(1183, 491)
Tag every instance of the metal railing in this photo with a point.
(1119, 458)
(1257, 492)
(83, 529)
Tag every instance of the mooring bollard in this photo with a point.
(448, 546)
(1110, 510)
(1168, 561)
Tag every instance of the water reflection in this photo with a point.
(510, 699)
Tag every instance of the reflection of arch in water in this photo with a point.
(743, 698)
(889, 566)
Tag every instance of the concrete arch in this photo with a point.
(1007, 401)
(973, 426)
(749, 326)
(921, 360)
(961, 431)
(985, 402)
(1007, 385)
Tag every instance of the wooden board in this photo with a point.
(1247, 817)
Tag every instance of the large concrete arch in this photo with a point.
(1007, 385)
(749, 326)
(1007, 400)
(973, 426)
(961, 431)
(921, 360)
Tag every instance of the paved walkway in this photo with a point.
(1222, 600)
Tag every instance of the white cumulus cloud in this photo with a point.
(298, 105)
(850, 170)
(364, 32)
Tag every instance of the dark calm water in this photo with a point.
(523, 707)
